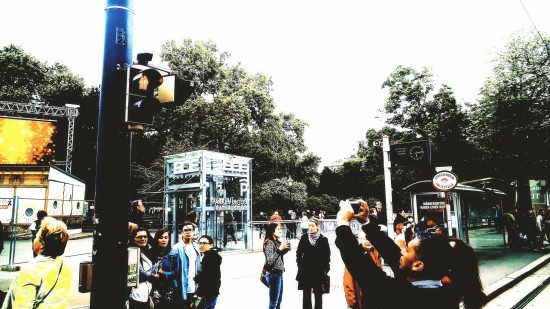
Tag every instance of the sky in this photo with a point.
(327, 59)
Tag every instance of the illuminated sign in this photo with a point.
(26, 141)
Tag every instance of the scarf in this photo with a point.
(314, 237)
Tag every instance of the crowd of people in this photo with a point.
(182, 275)
(188, 273)
(528, 230)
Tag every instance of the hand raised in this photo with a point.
(344, 216)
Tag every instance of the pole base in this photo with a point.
(10, 268)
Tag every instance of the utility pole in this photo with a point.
(387, 182)
(110, 255)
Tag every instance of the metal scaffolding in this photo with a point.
(69, 111)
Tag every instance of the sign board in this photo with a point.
(133, 266)
(411, 154)
(430, 205)
(538, 191)
(444, 181)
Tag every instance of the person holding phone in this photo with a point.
(440, 269)
(274, 251)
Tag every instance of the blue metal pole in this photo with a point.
(110, 255)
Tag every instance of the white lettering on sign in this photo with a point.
(432, 205)
(229, 203)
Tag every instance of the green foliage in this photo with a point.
(510, 124)
(85, 146)
(231, 111)
(412, 105)
(330, 204)
(306, 171)
(277, 194)
(21, 75)
(61, 87)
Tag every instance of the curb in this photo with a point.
(501, 286)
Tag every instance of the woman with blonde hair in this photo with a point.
(46, 280)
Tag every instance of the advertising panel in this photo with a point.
(26, 141)
(431, 204)
(538, 191)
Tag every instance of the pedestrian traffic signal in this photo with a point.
(141, 99)
(149, 89)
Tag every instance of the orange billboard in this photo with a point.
(26, 141)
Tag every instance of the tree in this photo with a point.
(328, 203)
(276, 194)
(231, 111)
(415, 106)
(510, 124)
(61, 86)
(306, 172)
(85, 134)
(21, 74)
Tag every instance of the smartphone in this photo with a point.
(356, 207)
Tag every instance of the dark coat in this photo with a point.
(375, 283)
(313, 262)
(209, 277)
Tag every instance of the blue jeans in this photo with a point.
(210, 303)
(275, 282)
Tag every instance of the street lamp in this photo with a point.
(289, 181)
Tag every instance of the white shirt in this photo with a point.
(192, 256)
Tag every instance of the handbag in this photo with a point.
(325, 284)
(263, 276)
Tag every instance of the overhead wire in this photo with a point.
(536, 29)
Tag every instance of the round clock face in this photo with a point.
(416, 152)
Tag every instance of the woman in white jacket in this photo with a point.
(139, 296)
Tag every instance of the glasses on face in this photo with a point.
(203, 243)
(141, 236)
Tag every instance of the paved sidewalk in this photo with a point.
(499, 267)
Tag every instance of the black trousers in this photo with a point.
(306, 303)
(229, 230)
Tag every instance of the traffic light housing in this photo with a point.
(142, 101)
(149, 89)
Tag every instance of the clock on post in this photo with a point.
(408, 154)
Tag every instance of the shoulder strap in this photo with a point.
(43, 298)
